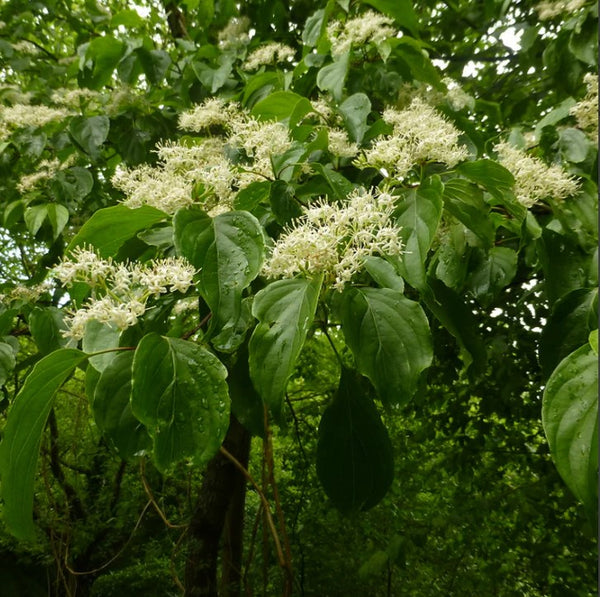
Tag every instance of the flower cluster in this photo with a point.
(340, 145)
(22, 115)
(270, 53)
(73, 98)
(334, 239)
(29, 294)
(534, 180)
(367, 27)
(548, 10)
(213, 112)
(586, 111)
(46, 169)
(419, 135)
(235, 33)
(120, 290)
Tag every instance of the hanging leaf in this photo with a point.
(7, 362)
(46, 325)
(354, 453)
(112, 408)
(419, 216)
(355, 111)
(331, 77)
(90, 133)
(285, 311)
(180, 394)
(389, 337)
(494, 272)
(20, 445)
(570, 418)
(228, 252)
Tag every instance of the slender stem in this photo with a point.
(150, 495)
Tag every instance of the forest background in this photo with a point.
(298, 297)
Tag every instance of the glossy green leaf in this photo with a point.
(109, 228)
(58, 216)
(285, 311)
(155, 64)
(179, 392)
(104, 53)
(112, 408)
(100, 337)
(332, 76)
(418, 215)
(283, 202)
(228, 252)
(389, 337)
(570, 418)
(355, 111)
(384, 273)
(492, 176)
(354, 452)
(90, 133)
(34, 218)
(23, 435)
(7, 362)
(252, 195)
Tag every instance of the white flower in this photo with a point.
(340, 145)
(534, 180)
(235, 33)
(456, 97)
(420, 135)
(212, 112)
(367, 27)
(586, 111)
(548, 10)
(335, 239)
(270, 53)
(121, 290)
(22, 115)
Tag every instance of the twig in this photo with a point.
(150, 495)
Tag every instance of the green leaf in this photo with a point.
(46, 325)
(494, 272)
(340, 186)
(23, 435)
(465, 202)
(383, 273)
(90, 133)
(285, 311)
(99, 337)
(74, 183)
(34, 217)
(7, 362)
(252, 195)
(280, 105)
(283, 202)
(331, 77)
(496, 179)
(112, 408)
(568, 327)
(454, 313)
(104, 53)
(401, 11)
(564, 264)
(58, 216)
(355, 111)
(228, 252)
(570, 418)
(313, 28)
(555, 115)
(419, 216)
(354, 453)
(452, 257)
(593, 340)
(389, 337)
(180, 394)
(155, 64)
(573, 145)
(109, 228)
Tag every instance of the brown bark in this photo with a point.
(221, 482)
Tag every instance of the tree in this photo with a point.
(198, 195)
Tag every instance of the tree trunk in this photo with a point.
(223, 486)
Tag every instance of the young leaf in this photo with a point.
(23, 434)
(354, 453)
(180, 394)
(390, 339)
(285, 310)
(228, 252)
(570, 419)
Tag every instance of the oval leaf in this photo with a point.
(228, 250)
(285, 310)
(390, 339)
(570, 418)
(180, 394)
(354, 453)
(23, 434)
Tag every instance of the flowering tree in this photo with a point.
(193, 193)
